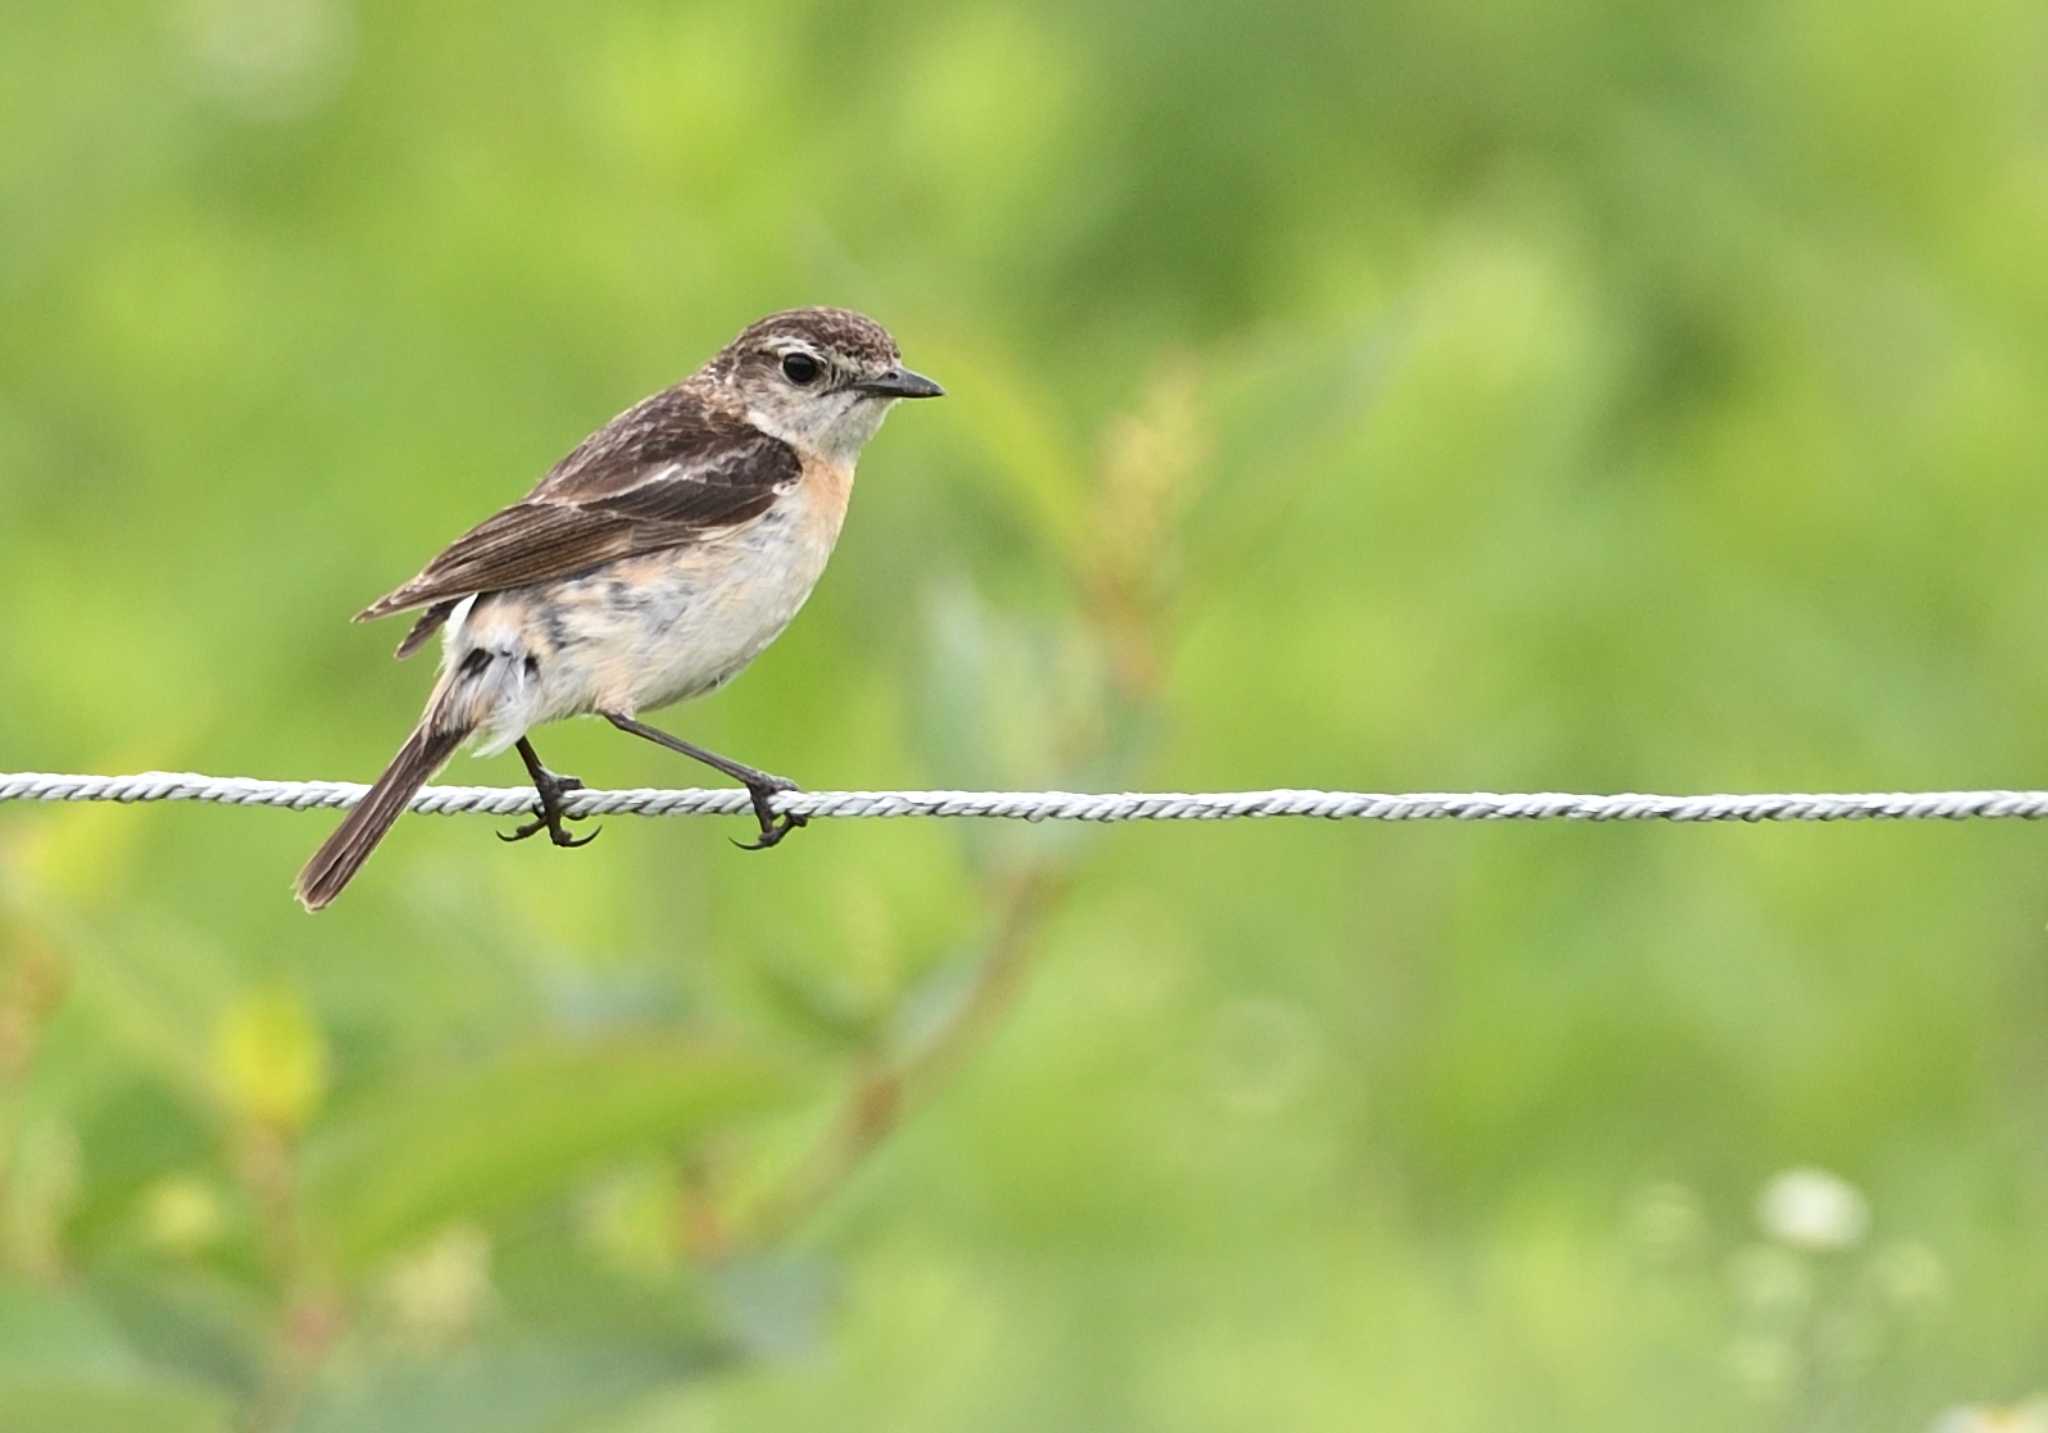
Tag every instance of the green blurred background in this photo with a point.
(1580, 396)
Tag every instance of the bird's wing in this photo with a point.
(663, 474)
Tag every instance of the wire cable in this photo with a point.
(1063, 805)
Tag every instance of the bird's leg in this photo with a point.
(760, 784)
(551, 789)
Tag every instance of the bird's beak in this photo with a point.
(900, 383)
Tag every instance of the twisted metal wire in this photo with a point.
(1065, 805)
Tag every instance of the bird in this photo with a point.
(649, 566)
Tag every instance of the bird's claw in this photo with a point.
(555, 831)
(551, 816)
(773, 827)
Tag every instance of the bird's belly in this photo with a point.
(661, 628)
(641, 632)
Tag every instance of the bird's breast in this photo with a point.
(665, 626)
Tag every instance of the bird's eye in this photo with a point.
(800, 368)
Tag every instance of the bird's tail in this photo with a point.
(341, 855)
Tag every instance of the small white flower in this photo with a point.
(1813, 1210)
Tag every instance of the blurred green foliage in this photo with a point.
(1580, 396)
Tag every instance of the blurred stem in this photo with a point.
(884, 1091)
(308, 1318)
(35, 1194)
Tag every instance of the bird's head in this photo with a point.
(820, 379)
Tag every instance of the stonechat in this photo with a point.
(649, 566)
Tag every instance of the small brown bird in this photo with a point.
(650, 566)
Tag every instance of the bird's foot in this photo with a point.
(552, 789)
(773, 827)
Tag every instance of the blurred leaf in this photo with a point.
(270, 1059)
(501, 1136)
(509, 1386)
(629, 1220)
(65, 1365)
(145, 986)
(1286, 406)
(827, 1015)
(57, 1332)
(564, 1341)
(35, 1404)
(775, 1307)
(189, 1320)
(40, 1179)
(136, 1135)
(1025, 440)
